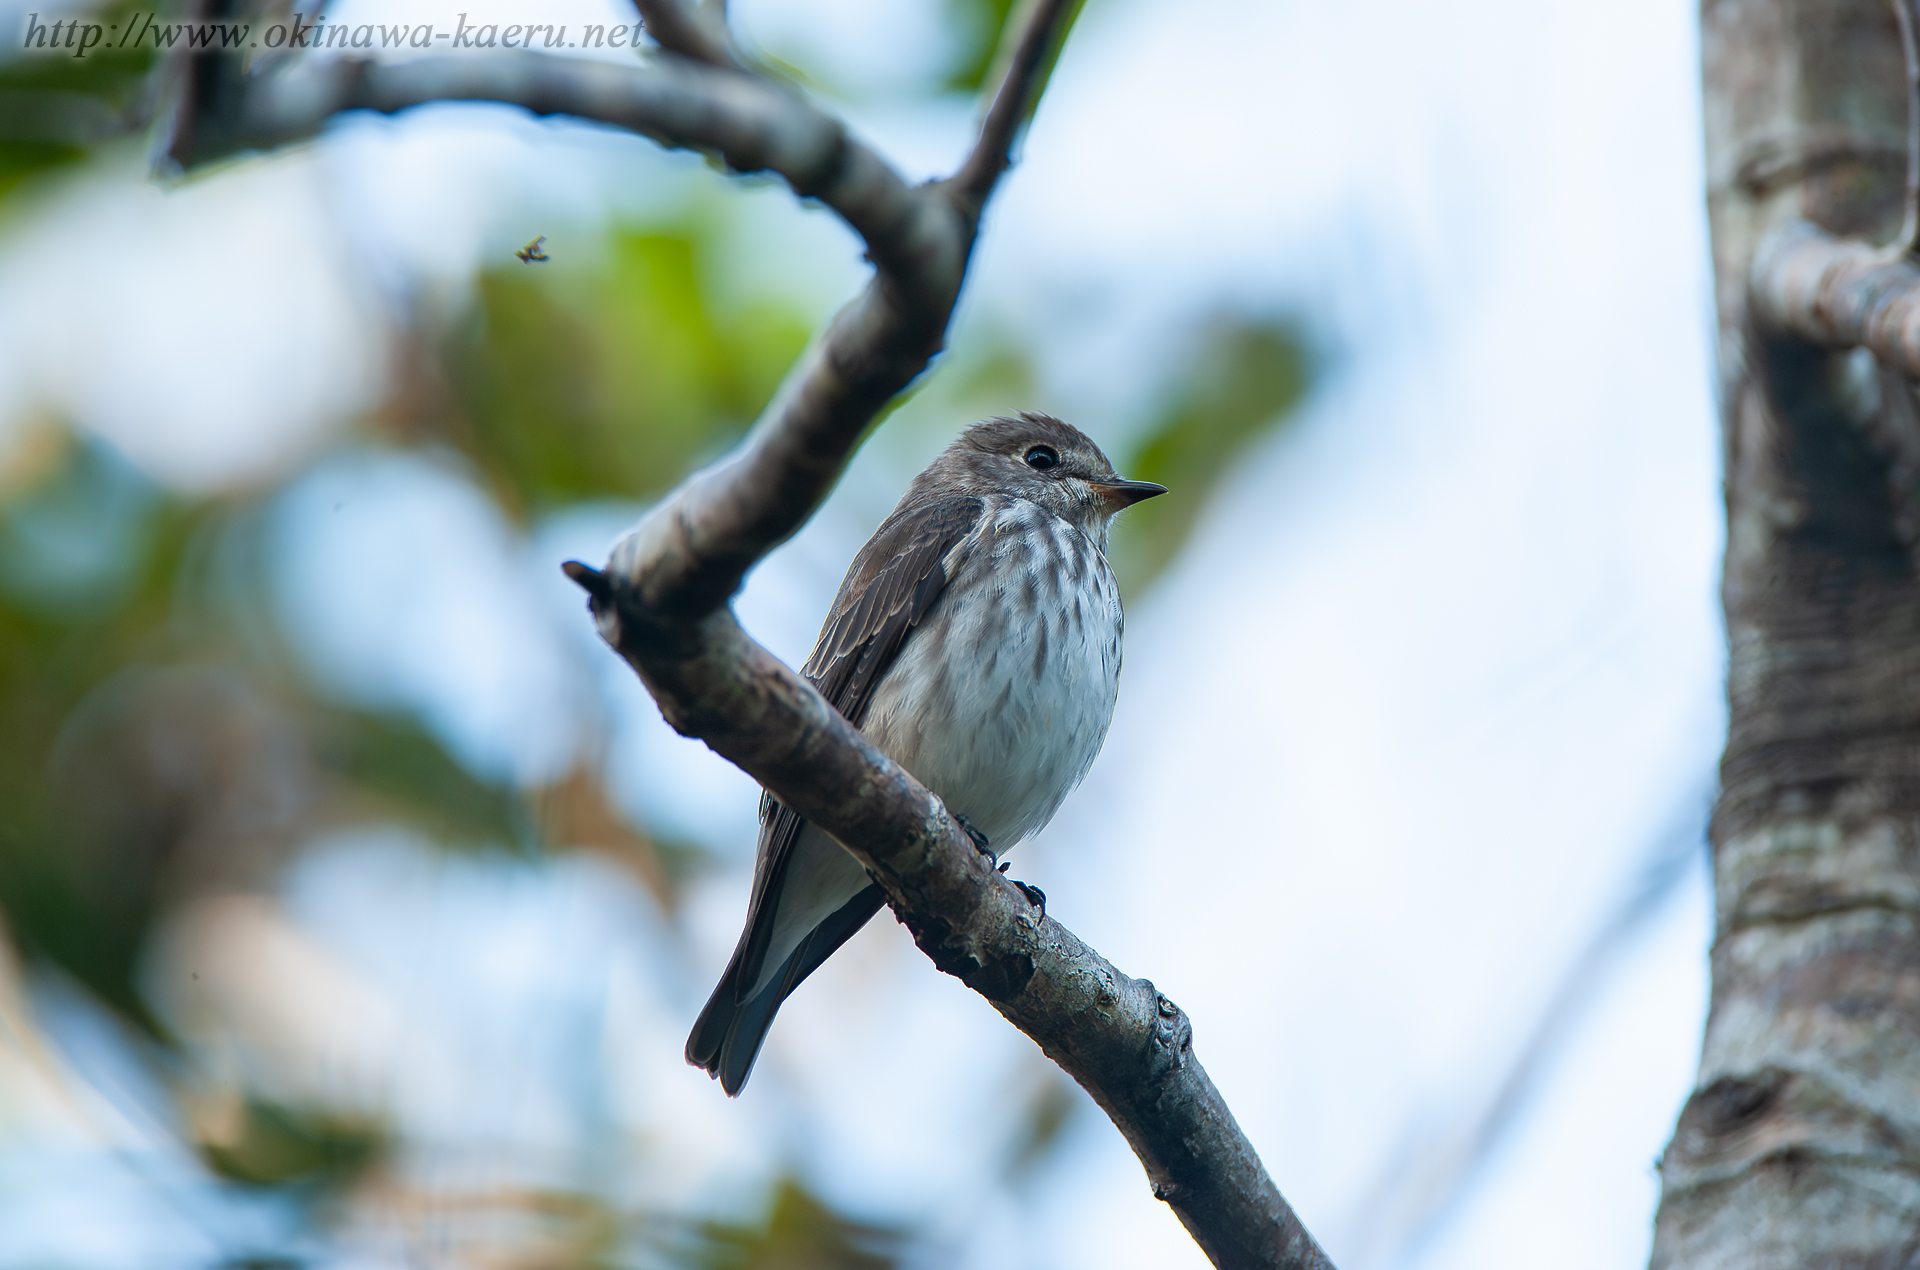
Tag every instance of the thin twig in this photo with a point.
(1034, 41)
(689, 32)
(752, 124)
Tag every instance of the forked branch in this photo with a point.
(663, 600)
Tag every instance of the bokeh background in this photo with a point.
(357, 902)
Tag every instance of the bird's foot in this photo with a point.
(1035, 896)
(980, 842)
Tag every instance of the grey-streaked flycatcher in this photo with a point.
(976, 641)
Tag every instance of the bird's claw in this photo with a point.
(980, 842)
(1035, 896)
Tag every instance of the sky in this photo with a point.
(1405, 798)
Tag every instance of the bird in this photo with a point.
(975, 641)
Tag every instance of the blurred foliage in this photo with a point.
(979, 25)
(102, 771)
(1245, 381)
(1047, 1115)
(157, 742)
(616, 377)
(403, 773)
(576, 811)
(264, 1143)
(149, 747)
(799, 1233)
(152, 743)
(87, 555)
(54, 107)
(993, 378)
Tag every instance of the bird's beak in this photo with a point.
(588, 579)
(1125, 493)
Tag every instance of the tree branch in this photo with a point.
(1127, 1044)
(663, 600)
(689, 32)
(1839, 293)
(753, 125)
(661, 603)
(1031, 46)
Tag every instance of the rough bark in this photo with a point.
(1800, 1146)
(663, 599)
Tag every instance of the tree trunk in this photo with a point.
(1800, 1145)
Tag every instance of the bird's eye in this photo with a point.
(1040, 458)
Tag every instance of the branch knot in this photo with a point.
(1172, 1039)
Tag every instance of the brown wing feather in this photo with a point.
(887, 591)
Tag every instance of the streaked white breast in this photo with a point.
(998, 702)
(1002, 698)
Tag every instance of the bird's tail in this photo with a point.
(728, 1035)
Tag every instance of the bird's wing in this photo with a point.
(888, 589)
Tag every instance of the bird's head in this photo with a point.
(1038, 458)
